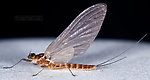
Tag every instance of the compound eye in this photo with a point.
(45, 57)
(31, 55)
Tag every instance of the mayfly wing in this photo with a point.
(79, 34)
(64, 55)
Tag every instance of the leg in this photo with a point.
(17, 63)
(38, 72)
(71, 72)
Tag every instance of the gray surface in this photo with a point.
(135, 67)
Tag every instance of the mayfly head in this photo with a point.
(31, 56)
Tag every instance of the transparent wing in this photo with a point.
(63, 56)
(80, 33)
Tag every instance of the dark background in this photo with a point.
(125, 19)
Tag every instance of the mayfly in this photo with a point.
(73, 41)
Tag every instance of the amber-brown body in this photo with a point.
(45, 63)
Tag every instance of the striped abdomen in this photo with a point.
(72, 66)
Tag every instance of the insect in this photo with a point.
(73, 42)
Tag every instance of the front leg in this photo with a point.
(18, 62)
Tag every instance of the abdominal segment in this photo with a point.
(44, 63)
(71, 66)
